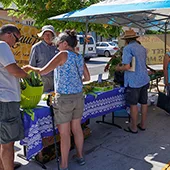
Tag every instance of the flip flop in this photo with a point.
(142, 129)
(130, 131)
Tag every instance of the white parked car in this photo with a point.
(106, 48)
(90, 50)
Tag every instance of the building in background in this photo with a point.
(4, 15)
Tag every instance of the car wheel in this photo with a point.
(107, 54)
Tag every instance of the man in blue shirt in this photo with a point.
(42, 52)
(136, 81)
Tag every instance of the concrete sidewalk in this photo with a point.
(111, 148)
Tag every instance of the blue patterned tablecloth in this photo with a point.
(41, 126)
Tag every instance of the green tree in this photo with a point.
(41, 10)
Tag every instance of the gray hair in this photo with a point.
(9, 28)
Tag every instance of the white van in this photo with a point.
(90, 50)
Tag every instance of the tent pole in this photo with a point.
(84, 45)
(166, 23)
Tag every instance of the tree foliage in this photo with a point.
(41, 10)
(154, 32)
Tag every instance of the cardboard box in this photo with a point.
(48, 153)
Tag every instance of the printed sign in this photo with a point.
(28, 38)
(154, 45)
(155, 48)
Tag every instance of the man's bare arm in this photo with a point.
(16, 71)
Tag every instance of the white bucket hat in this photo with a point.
(47, 28)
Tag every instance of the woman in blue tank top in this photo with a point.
(166, 69)
(69, 68)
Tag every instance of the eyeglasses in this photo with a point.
(16, 38)
(60, 42)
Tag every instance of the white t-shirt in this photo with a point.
(9, 84)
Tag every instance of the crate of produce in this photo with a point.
(102, 86)
(100, 89)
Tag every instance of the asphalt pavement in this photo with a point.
(111, 148)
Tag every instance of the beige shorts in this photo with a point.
(68, 107)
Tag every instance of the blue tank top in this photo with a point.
(68, 77)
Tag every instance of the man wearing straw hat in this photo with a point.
(42, 52)
(136, 79)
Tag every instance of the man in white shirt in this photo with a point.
(11, 127)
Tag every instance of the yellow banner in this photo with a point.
(28, 38)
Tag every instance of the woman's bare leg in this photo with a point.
(78, 136)
(64, 130)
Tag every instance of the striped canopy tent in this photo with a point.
(143, 14)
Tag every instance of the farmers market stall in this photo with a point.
(38, 122)
(156, 74)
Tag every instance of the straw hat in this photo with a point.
(47, 28)
(129, 34)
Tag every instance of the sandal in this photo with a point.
(130, 131)
(17, 165)
(142, 129)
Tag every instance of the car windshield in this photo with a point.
(112, 44)
(90, 40)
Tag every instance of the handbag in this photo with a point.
(164, 102)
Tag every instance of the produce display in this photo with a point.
(45, 96)
(113, 63)
(31, 90)
(98, 87)
(34, 81)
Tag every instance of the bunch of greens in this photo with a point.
(34, 80)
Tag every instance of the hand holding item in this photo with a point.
(106, 68)
(118, 67)
(27, 68)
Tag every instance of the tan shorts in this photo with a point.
(68, 107)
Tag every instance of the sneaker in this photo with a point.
(80, 161)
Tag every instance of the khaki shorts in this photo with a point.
(11, 126)
(68, 107)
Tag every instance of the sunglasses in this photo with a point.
(16, 38)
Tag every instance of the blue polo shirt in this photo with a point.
(41, 53)
(139, 77)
